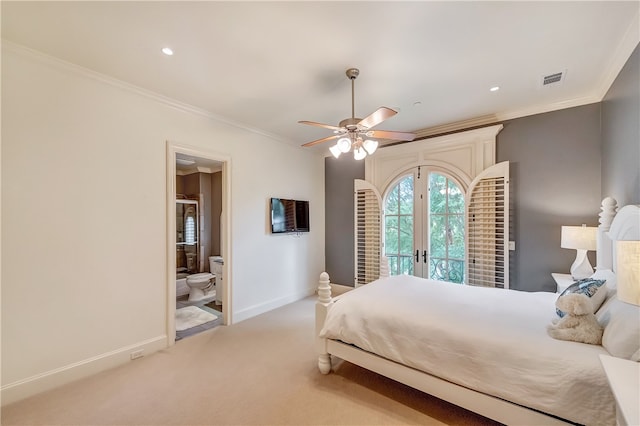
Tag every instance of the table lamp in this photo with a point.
(582, 239)
(628, 271)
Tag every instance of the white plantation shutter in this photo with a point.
(487, 225)
(367, 239)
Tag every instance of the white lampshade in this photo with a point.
(335, 150)
(359, 153)
(344, 144)
(581, 238)
(370, 146)
(628, 271)
(578, 237)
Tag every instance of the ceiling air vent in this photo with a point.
(553, 79)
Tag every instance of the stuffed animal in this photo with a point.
(579, 324)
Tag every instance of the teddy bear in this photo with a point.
(579, 324)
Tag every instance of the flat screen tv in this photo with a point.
(289, 216)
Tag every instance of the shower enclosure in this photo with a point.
(187, 259)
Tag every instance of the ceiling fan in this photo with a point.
(355, 132)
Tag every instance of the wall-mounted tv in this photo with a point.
(289, 215)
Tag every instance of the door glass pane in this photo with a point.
(390, 235)
(456, 198)
(399, 228)
(456, 271)
(393, 264)
(405, 195)
(406, 265)
(391, 206)
(437, 193)
(406, 235)
(456, 236)
(446, 229)
(437, 235)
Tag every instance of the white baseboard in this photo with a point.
(52, 379)
(261, 308)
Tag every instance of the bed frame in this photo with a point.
(625, 227)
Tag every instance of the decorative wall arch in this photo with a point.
(463, 155)
(459, 157)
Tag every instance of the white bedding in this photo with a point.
(487, 339)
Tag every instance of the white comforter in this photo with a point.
(487, 339)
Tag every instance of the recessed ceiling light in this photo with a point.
(167, 51)
(494, 88)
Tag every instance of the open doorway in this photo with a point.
(198, 279)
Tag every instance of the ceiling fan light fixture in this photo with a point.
(351, 132)
(370, 146)
(335, 150)
(359, 153)
(344, 144)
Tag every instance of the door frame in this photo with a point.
(174, 148)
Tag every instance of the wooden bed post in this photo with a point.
(322, 306)
(604, 257)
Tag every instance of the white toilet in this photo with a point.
(202, 287)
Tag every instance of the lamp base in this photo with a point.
(581, 268)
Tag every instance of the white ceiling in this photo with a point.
(266, 65)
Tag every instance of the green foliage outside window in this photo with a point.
(446, 228)
(399, 227)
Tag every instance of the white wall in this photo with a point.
(84, 220)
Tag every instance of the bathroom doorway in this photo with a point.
(198, 242)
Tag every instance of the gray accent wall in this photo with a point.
(621, 135)
(555, 180)
(562, 164)
(338, 179)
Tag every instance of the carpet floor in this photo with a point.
(262, 371)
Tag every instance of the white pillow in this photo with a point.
(608, 275)
(621, 322)
(595, 290)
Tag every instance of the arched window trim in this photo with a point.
(463, 157)
(465, 154)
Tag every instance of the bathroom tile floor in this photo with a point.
(182, 302)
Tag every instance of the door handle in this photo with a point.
(424, 256)
(417, 256)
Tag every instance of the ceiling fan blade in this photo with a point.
(316, 142)
(388, 134)
(377, 117)
(326, 126)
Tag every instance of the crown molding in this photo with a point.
(621, 55)
(165, 100)
(489, 119)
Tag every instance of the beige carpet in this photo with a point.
(261, 371)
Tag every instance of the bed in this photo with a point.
(484, 349)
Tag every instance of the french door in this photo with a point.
(424, 226)
(427, 226)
